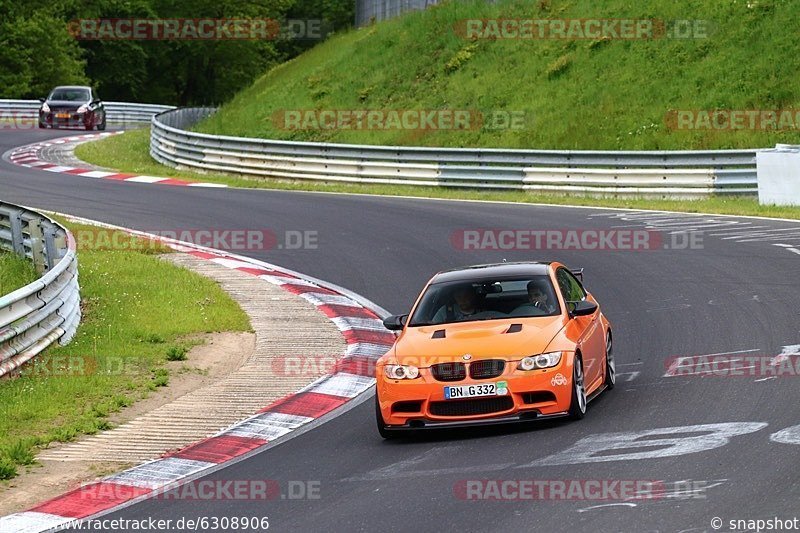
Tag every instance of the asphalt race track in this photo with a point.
(732, 295)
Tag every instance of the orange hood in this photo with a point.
(483, 340)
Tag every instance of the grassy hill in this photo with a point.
(576, 94)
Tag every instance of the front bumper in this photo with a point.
(73, 120)
(419, 403)
(524, 416)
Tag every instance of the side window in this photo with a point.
(570, 287)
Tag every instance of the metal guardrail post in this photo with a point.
(37, 246)
(51, 252)
(15, 220)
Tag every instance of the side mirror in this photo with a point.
(583, 308)
(395, 322)
(41, 100)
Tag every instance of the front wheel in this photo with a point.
(611, 366)
(102, 125)
(577, 407)
(382, 429)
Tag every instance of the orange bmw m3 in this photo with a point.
(492, 344)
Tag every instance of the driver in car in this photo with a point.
(538, 301)
(463, 307)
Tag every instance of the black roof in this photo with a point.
(492, 271)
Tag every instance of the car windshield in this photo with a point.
(488, 299)
(70, 95)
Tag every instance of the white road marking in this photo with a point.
(781, 237)
(786, 351)
(636, 445)
(406, 468)
(670, 308)
(789, 247)
(737, 231)
(632, 375)
(790, 435)
(602, 505)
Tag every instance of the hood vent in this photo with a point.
(438, 334)
(514, 328)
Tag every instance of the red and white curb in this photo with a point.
(29, 156)
(366, 338)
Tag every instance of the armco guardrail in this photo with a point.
(682, 174)
(118, 112)
(47, 310)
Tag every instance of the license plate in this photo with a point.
(62, 115)
(471, 391)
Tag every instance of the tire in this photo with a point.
(611, 365)
(382, 429)
(102, 126)
(42, 126)
(577, 406)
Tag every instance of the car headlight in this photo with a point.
(84, 108)
(45, 107)
(401, 371)
(545, 360)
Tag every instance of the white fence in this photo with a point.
(369, 11)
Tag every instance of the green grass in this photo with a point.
(15, 272)
(133, 304)
(581, 94)
(578, 94)
(130, 153)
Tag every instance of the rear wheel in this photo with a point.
(382, 429)
(611, 366)
(577, 407)
(42, 125)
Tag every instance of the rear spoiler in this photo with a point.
(578, 273)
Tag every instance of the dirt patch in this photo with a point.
(218, 356)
